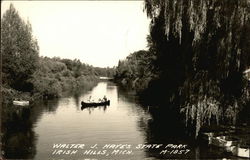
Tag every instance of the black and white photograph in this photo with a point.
(125, 80)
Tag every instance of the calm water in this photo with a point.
(32, 133)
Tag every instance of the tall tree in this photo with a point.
(202, 49)
(19, 51)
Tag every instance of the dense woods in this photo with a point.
(198, 51)
(27, 76)
(135, 70)
(56, 76)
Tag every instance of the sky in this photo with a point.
(98, 33)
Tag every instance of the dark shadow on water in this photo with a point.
(77, 101)
(19, 139)
(165, 126)
(92, 108)
(156, 125)
(48, 106)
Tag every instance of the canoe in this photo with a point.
(89, 104)
(243, 152)
(239, 151)
(218, 141)
(224, 141)
(21, 103)
(230, 144)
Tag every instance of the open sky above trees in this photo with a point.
(98, 33)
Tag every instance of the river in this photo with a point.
(118, 131)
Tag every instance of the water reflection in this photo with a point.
(46, 106)
(19, 140)
(31, 132)
(164, 127)
(92, 108)
(77, 101)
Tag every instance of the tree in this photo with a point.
(202, 49)
(19, 51)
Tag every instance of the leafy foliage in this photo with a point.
(198, 51)
(19, 51)
(202, 50)
(39, 77)
(135, 70)
(56, 76)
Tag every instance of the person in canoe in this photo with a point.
(89, 100)
(105, 98)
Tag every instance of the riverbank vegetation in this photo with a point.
(136, 70)
(197, 53)
(27, 76)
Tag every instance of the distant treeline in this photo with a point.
(55, 76)
(198, 51)
(136, 71)
(27, 76)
